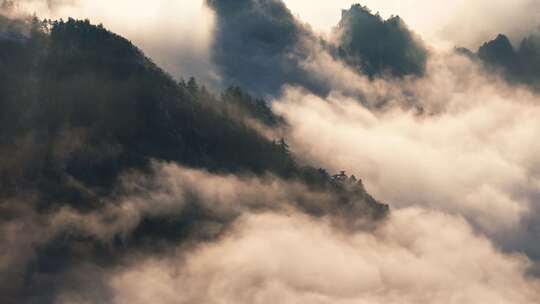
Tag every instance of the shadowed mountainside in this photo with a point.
(375, 46)
(519, 65)
(81, 111)
(260, 46)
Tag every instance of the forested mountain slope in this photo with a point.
(82, 108)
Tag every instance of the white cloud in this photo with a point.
(415, 257)
(472, 153)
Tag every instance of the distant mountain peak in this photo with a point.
(375, 46)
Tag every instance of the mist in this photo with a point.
(163, 29)
(417, 256)
(444, 25)
(405, 176)
(473, 157)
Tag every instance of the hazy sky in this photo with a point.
(177, 33)
(461, 22)
(446, 23)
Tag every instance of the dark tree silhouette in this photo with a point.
(80, 107)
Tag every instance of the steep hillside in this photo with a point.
(83, 111)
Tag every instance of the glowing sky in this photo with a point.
(459, 22)
(449, 23)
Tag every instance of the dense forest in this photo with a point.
(80, 107)
(72, 81)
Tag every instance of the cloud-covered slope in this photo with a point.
(105, 159)
(518, 65)
(261, 46)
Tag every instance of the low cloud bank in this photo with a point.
(471, 153)
(454, 152)
(415, 257)
(64, 250)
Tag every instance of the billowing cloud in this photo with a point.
(72, 251)
(454, 152)
(223, 197)
(415, 257)
(472, 153)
